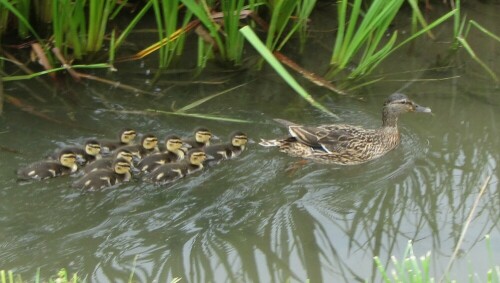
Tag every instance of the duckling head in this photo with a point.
(125, 154)
(239, 139)
(68, 159)
(196, 157)
(92, 147)
(203, 135)
(173, 143)
(121, 166)
(127, 135)
(149, 141)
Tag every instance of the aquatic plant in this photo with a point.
(418, 269)
(268, 56)
(79, 29)
(361, 35)
(167, 17)
(461, 33)
(61, 277)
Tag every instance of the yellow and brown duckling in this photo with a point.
(125, 137)
(347, 144)
(170, 172)
(90, 152)
(102, 178)
(173, 152)
(64, 165)
(148, 145)
(236, 145)
(202, 137)
(107, 162)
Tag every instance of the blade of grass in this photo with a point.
(20, 17)
(280, 17)
(381, 269)
(205, 99)
(133, 23)
(201, 13)
(197, 115)
(474, 56)
(420, 17)
(268, 56)
(30, 76)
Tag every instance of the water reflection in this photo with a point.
(252, 219)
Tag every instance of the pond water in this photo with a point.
(262, 217)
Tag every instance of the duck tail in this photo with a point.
(269, 143)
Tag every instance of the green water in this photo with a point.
(261, 217)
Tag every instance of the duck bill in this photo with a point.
(422, 109)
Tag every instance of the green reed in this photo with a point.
(43, 10)
(167, 18)
(201, 11)
(361, 35)
(418, 270)
(19, 11)
(462, 27)
(4, 17)
(268, 56)
(99, 12)
(233, 38)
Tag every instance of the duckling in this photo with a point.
(201, 138)
(95, 180)
(347, 144)
(125, 137)
(65, 165)
(172, 153)
(88, 154)
(149, 145)
(170, 172)
(232, 149)
(107, 162)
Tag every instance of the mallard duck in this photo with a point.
(95, 180)
(107, 162)
(347, 144)
(202, 137)
(65, 165)
(90, 152)
(173, 152)
(148, 145)
(172, 171)
(236, 145)
(125, 137)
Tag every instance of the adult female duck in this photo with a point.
(347, 144)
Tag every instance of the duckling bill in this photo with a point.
(347, 144)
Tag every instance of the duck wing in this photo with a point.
(329, 138)
(310, 136)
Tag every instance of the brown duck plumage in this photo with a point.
(347, 144)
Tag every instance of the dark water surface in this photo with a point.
(262, 217)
